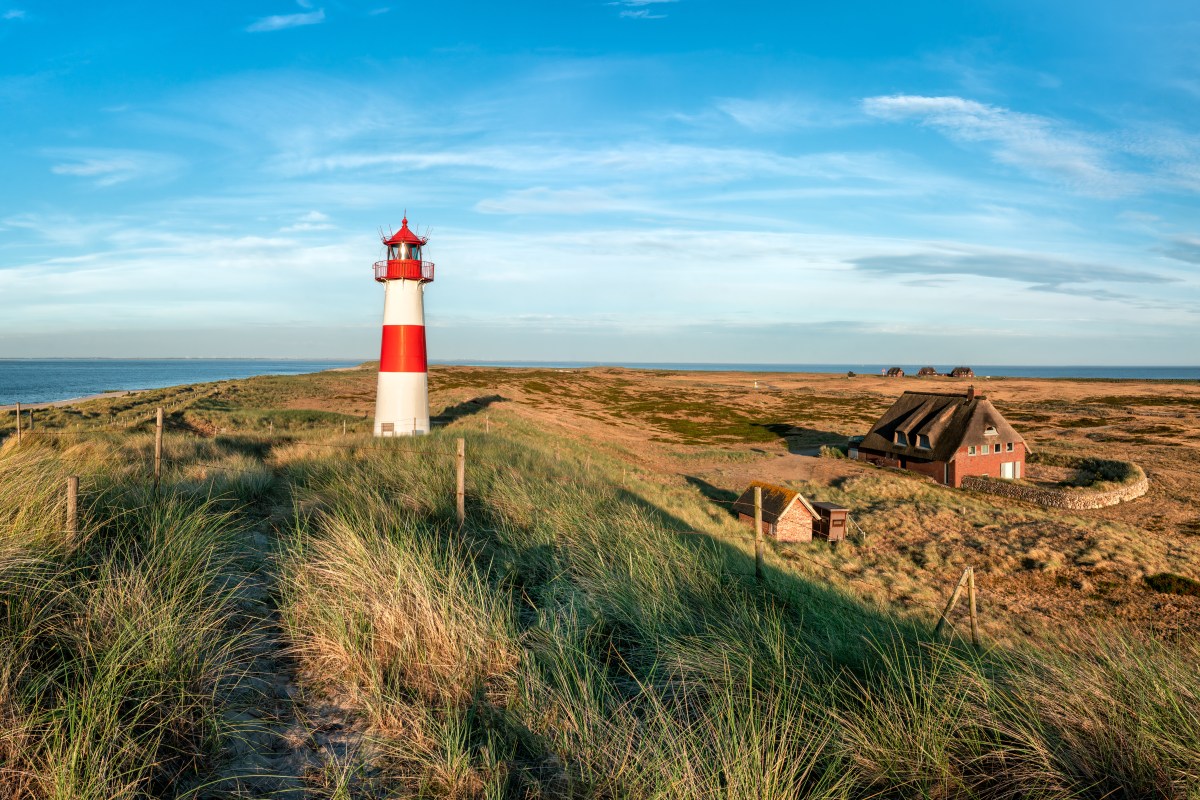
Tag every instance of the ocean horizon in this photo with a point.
(48, 380)
(1115, 372)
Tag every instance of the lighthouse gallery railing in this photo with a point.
(404, 269)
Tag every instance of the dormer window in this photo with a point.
(990, 430)
(922, 441)
(901, 439)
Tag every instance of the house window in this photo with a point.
(990, 431)
(996, 447)
(901, 439)
(971, 450)
(922, 441)
(1009, 447)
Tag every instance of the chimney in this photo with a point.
(970, 393)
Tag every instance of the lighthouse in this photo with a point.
(402, 397)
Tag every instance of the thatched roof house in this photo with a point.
(926, 372)
(945, 436)
(895, 372)
(786, 515)
(962, 372)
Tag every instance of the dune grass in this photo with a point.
(590, 631)
(573, 638)
(116, 649)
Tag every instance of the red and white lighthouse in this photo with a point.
(402, 399)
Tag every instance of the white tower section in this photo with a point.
(402, 399)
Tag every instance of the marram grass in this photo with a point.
(576, 637)
(586, 633)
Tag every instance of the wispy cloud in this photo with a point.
(13, 13)
(1042, 272)
(768, 115)
(1184, 249)
(312, 221)
(109, 167)
(1037, 145)
(280, 21)
(640, 9)
(688, 163)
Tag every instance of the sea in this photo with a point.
(985, 371)
(33, 381)
(46, 381)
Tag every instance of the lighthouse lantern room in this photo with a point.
(402, 398)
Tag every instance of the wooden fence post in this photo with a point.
(971, 603)
(31, 419)
(73, 504)
(18, 423)
(158, 431)
(953, 601)
(343, 427)
(758, 542)
(460, 492)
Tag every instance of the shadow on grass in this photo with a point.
(722, 496)
(803, 441)
(467, 408)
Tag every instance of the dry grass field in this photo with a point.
(297, 612)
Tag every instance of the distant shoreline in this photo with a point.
(47, 382)
(73, 400)
(909, 381)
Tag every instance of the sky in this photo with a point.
(605, 180)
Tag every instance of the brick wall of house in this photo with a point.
(796, 526)
(934, 469)
(964, 465)
(877, 458)
(748, 521)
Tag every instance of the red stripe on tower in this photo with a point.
(403, 349)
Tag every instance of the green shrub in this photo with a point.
(1170, 583)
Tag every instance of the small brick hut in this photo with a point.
(947, 437)
(786, 515)
(926, 372)
(895, 372)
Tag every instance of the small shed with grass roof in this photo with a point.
(786, 515)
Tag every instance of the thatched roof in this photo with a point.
(895, 372)
(925, 372)
(776, 500)
(962, 372)
(950, 421)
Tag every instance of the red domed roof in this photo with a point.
(405, 236)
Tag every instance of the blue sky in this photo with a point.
(639, 180)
